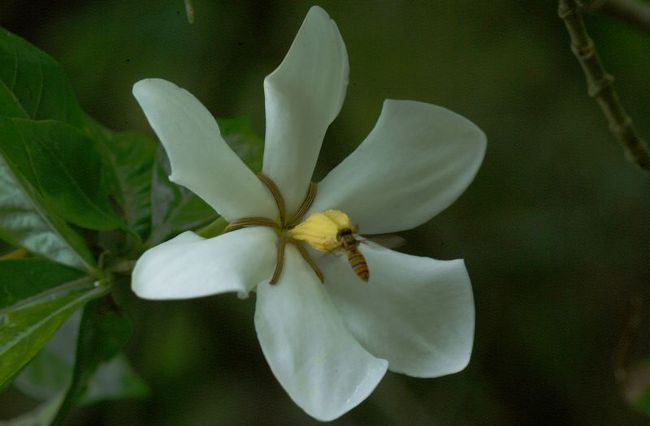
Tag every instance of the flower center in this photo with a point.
(332, 230)
(322, 230)
(283, 226)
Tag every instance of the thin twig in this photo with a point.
(634, 12)
(600, 86)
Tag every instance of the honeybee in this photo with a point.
(357, 261)
(332, 231)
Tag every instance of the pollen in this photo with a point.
(320, 229)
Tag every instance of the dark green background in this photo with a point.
(555, 230)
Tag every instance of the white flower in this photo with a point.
(328, 344)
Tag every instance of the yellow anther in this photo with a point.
(320, 230)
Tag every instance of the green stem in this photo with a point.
(600, 86)
(121, 266)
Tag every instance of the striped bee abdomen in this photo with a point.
(356, 259)
(358, 263)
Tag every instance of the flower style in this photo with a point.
(330, 343)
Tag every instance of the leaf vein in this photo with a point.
(68, 175)
(40, 88)
(15, 77)
(38, 209)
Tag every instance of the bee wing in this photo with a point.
(389, 241)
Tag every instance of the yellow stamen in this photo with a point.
(320, 230)
(325, 231)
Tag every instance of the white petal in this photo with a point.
(416, 312)
(416, 161)
(315, 358)
(200, 158)
(190, 266)
(303, 96)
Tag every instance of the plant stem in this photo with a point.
(121, 266)
(634, 12)
(600, 86)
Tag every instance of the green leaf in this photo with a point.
(50, 372)
(129, 158)
(174, 208)
(21, 279)
(133, 156)
(8, 251)
(24, 222)
(32, 85)
(240, 136)
(115, 379)
(35, 82)
(9, 105)
(40, 416)
(63, 164)
(102, 334)
(30, 323)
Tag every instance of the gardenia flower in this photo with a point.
(329, 343)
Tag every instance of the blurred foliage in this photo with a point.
(62, 171)
(54, 294)
(555, 230)
(637, 386)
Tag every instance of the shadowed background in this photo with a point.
(555, 230)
